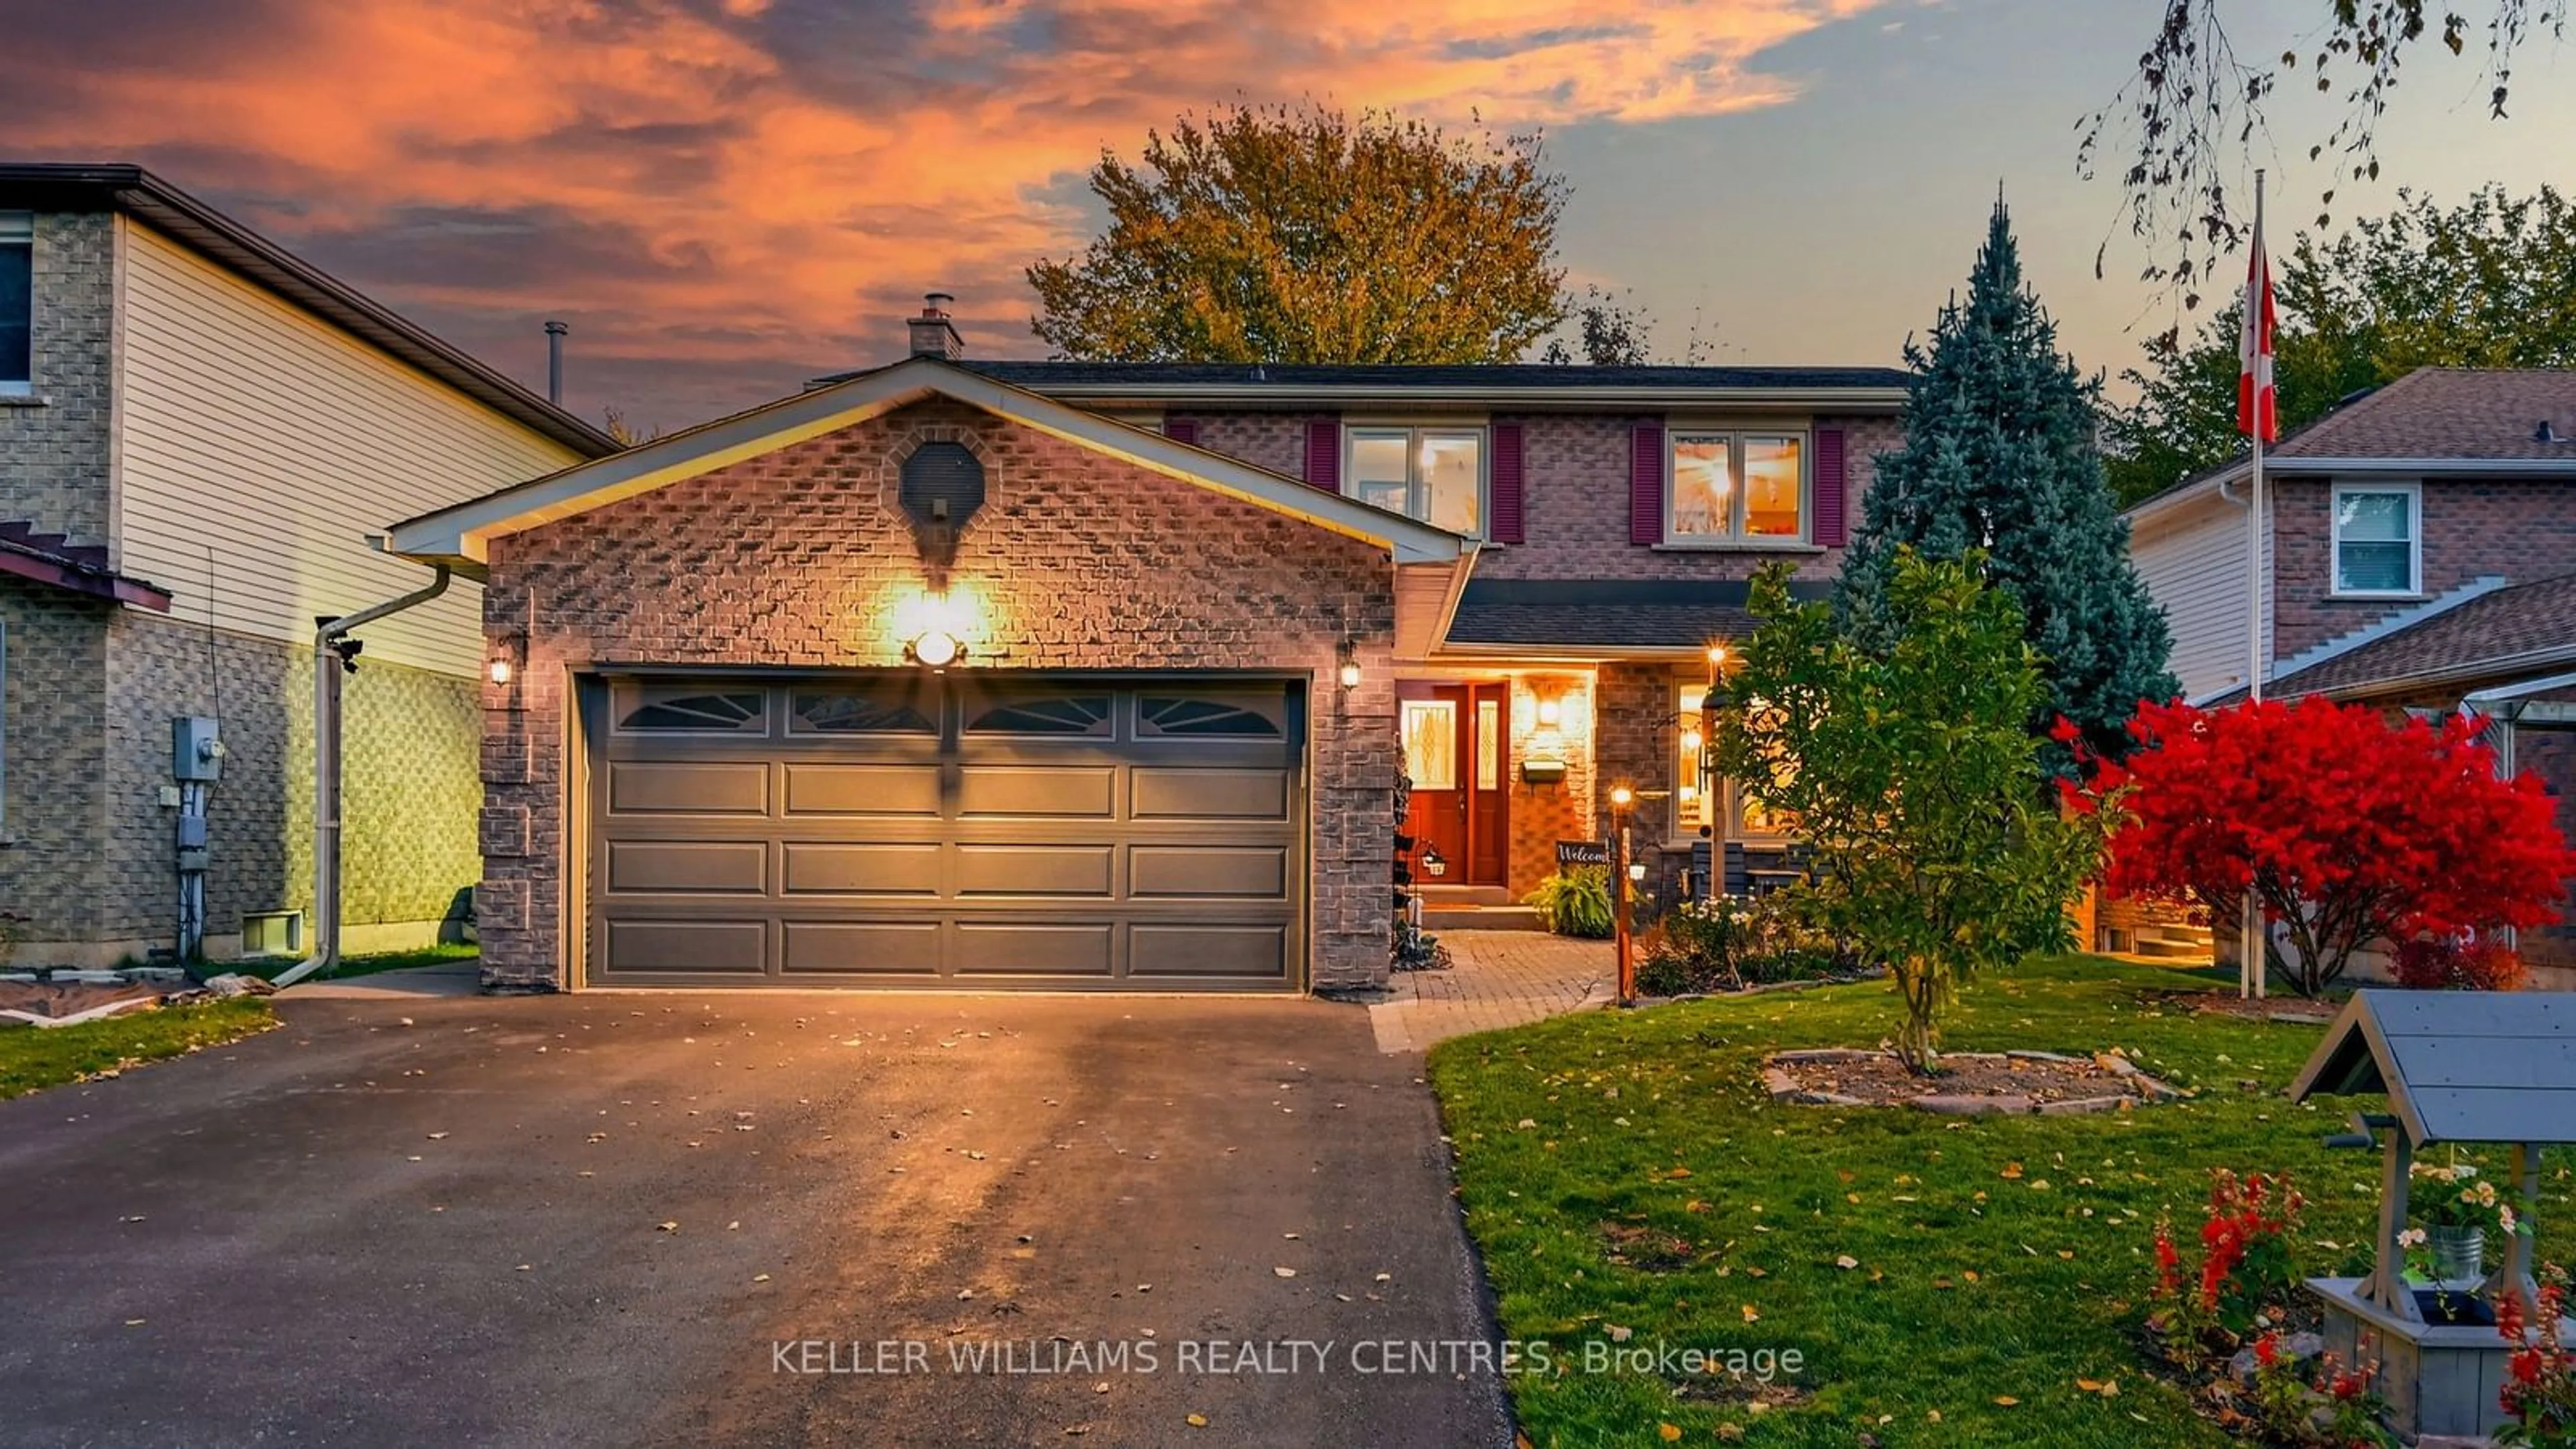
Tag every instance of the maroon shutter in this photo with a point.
(1646, 483)
(1324, 454)
(1505, 478)
(1833, 490)
(1182, 430)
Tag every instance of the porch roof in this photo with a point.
(1612, 616)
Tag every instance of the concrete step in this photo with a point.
(1463, 895)
(1437, 918)
(2170, 949)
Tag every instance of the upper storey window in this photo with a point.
(1730, 487)
(2378, 547)
(17, 301)
(1433, 474)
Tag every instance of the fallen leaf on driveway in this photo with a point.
(669, 1227)
(1196, 1421)
(438, 1137)
(1285, 1272)
(760, 1277)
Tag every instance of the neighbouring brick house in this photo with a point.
(1065, 674)
(2420, 554)
(194, 427)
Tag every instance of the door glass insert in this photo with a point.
(1070, 714)
(1489, 744)
(1431, 743)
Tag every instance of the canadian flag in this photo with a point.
(2255, 412)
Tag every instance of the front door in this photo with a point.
(1454, 744)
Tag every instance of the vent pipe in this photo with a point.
(554, 360)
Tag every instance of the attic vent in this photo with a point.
(2547, 434)
(943, 483)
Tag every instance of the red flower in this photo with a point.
(2267, 1349)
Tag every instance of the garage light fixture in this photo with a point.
(500, 671)
(936, 648)
(1350, 673)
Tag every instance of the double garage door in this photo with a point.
(917, 830)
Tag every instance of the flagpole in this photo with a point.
(2252, 948)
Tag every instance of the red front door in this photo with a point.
(1455, 739)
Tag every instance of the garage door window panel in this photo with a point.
(665, 710)
(893, 710)
(1209, 717)
(1069, 716)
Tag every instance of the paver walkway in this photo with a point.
(1502, 978)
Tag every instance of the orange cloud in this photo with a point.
(725, 194)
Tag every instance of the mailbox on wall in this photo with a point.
(1540, 771)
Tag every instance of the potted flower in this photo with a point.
(2457, 1209)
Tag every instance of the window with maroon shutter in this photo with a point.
(1182, 430)
(1503, 479)
(1324, 454)
(1833, 490)
(1646, 483)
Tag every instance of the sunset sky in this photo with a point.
(727, 196)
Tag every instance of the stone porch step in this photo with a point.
(1464, 895)
(1438, 916)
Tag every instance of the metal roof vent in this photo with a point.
(943, 486)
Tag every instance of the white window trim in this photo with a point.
(1735, 540)
(2414, 492)
(18, 228)
(1414, 429)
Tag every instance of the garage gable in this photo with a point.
(461, 536)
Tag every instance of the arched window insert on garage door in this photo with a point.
(662, 709)
(1086, 715)
(1221, 717)
(906, 709)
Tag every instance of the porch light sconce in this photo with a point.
(501, 665)
(1549, 712)
(500, 671)
(1350, 670)
(934, 648)
(1621, 797)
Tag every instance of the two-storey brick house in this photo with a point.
(1066, 674)
(2419, 552)
(197, 431)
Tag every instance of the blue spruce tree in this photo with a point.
(1999, 455)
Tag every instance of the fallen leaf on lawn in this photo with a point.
(2090, 1386)
(1846, 1262)
(1285, 1272)
(1521, 1440)
(1970, 1275)
(2006, 1401)
(1932, 1416)
(1620, 1332)
(1731, 1433)
(1750, 1316)
(1669, 1433)
(2012, 1171)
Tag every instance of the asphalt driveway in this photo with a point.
(624, 1219)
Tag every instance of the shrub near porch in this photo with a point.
(1999, 1264)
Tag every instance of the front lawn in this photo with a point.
(1628, 1180)
(32, 1057)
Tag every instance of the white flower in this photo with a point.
(2411, 1238)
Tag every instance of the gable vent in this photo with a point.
(943, 483)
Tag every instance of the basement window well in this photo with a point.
(273, 933)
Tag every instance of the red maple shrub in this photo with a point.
(2449, 963)
(2348, 827)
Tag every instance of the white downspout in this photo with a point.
(326, 774)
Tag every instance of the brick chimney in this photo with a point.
(933, 334)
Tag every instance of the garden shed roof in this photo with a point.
(2458, 1066)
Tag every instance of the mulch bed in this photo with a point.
(1970, 1084)
(2228, 1003)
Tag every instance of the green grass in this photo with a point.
(33, 1058)
(367, 965)
(1721, 1200)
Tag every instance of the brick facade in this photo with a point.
(1542, 815)
(800, 557)
(55, 444)
(2522, 529)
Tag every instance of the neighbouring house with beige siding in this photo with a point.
(196, 436)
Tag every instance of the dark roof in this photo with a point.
(1579, 614)
(71, 186)
(2523, 625)
(2458, 1066)
(48, 558)
(2435, 414)
(1292, 378)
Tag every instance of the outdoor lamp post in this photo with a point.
(1622, 799)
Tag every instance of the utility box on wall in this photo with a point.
(196, 748)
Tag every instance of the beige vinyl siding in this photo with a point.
(2193, 562)
(250, 428)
